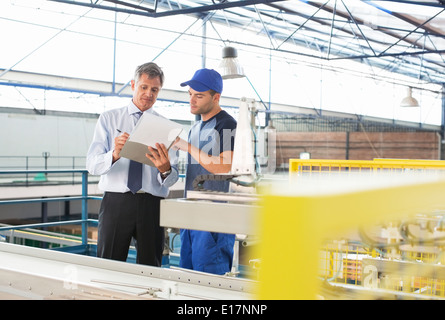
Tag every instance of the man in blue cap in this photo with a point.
(210, 150)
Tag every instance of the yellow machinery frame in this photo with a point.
(293, 226)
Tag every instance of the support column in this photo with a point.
(442, 127)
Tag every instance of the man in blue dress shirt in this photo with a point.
(126, 214)
(210, 151)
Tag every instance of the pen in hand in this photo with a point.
(119, 131)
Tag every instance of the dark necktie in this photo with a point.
(135, 171)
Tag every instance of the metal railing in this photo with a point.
(31, 170)
(36, 164)
(45, 161)
(84, 197)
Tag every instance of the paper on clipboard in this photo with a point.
(149, 130)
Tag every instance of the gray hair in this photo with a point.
(151, 69)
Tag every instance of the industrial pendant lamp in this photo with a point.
(229, 66)
(409, 101)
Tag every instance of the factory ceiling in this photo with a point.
(405, 37)
(89, 46)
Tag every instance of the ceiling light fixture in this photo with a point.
(409, 101)
(229, 66)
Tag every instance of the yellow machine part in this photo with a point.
(293, 227)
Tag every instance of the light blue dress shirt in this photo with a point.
(114, 176)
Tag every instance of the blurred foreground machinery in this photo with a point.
(355, 230)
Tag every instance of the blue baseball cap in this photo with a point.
(204, 80)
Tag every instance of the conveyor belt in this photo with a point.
(33, 273)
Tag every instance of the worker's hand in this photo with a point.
(180, 144)
(159, 157)
(119, 142)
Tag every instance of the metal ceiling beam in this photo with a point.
(302, 25)
(437, 3)
(358, 22)
(220, 6)
(324, 22)
(423, 26)
(125, 3)
(410, 20)
(361, 22)
(350, 53)
(415, 53)
(154, 14)
(424, 50)
(340, 53)
(317, 43)
(321, 21)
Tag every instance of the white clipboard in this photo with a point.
(149, 130)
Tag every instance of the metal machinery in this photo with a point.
(39, 274)
(65, 269)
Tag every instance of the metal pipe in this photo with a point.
(85, 208)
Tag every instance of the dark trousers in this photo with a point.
(124, 216)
